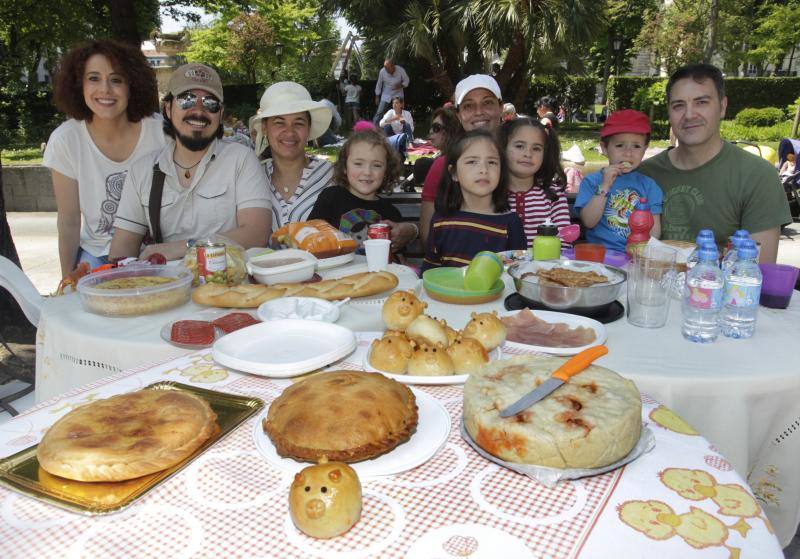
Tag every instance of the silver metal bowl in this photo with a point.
(562, 298)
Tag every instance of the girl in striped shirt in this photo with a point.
(535, 179)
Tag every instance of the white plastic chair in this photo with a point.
(30, 301)
(22, 289)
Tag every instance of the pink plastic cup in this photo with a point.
(777, 285)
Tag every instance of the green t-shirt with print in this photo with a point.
(735, 190)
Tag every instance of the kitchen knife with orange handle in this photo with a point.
(570, 368)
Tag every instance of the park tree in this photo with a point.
(777, 35)
(453, 38)
(243, 45)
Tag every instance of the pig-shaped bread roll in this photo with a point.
(429, 361)
(400, 309)
(427, 330)
(325, 500)
(487, 328)
(468, 355)
(390, 353)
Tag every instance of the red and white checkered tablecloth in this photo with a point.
(680, 500)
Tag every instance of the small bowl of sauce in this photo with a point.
(282, 266)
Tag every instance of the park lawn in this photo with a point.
(21, 156)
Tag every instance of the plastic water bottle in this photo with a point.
(742, 292)
(732, 254)
(702, 297)
(705, 236)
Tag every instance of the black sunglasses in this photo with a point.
(436, 128)
(187, 100)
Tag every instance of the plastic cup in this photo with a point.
(484, 269)
(777, 285)
(590, 251)
(377, 254)
(650, 276)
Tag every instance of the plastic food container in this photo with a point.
(305, 308)
(282, 266)
(137, 299)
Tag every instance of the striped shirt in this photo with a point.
(456, 238)
(534, 207)
(317, 175)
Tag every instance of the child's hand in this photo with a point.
(400, 234)
(611, 172)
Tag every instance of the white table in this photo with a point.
(743, 395)
(682, 499)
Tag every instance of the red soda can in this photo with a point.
(379, 231)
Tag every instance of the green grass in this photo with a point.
(21, 156)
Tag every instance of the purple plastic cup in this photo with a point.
(616, 258)
(777, 285)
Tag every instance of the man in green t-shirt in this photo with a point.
(709, 183)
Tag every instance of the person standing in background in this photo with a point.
(392, 80)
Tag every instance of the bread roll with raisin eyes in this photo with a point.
(425, 329)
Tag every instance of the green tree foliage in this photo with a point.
(777, 34)
(452, 38)
(243, 45)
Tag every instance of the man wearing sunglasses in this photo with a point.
(196, 186)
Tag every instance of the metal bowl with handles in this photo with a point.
(586, 299)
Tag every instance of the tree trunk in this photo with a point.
(123, 21)
(711, 45)
(515, 59)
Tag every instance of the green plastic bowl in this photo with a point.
(447, 285)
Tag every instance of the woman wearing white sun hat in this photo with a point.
(289, 119)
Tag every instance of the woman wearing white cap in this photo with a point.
(289, 118)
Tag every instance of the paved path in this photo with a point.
(36, 239)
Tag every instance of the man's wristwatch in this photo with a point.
(190, 243)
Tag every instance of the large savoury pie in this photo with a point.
(346, 416)
(591, 421)
(127, 436)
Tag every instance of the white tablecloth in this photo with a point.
(743, 395)
(682, 499)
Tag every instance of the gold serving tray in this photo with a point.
(21, 472)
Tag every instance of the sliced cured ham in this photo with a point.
(234, 321)
(192, 332)
(526, 328)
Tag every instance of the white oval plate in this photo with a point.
(433, 428)
(572, 320)
(494, 355)
(284, 348)
(209, 315)
(325, 263)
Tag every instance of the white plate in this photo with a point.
(433, 428)
(572, 320)
(494, 355)
(284, 348)
(209, 315)
(325, 263)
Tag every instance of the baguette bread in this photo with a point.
(251, 296)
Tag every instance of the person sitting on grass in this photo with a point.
(607, 198)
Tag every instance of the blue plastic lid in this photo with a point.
(708, 251)
(704, 235)
(746, 249)
(741, 234)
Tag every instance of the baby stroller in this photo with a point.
(790, 172)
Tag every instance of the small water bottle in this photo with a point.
(732, 254)
(702, 297)
(705, 236)
(742, 292)
(547, 244)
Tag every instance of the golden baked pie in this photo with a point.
(591, 421)
(346, 416)
(127, 436)
(134, 282)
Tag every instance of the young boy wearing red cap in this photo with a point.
(608, 197)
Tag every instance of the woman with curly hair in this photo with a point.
(108, 91)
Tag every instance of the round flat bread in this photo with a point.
(127, 436)
(347, 416)
(591, 421)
